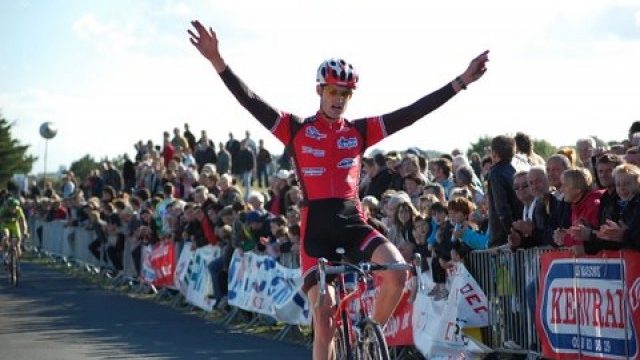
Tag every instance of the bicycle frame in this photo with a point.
(353, 303)
(13, 266)
(355, 306)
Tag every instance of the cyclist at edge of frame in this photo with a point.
(327, 150)
(13, 223)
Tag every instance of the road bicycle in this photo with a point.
(12, 261)
(358, 336)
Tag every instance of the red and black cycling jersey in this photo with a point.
(328, 154)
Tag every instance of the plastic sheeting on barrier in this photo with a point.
(159, 264)
(193, 278)
(437, 325)
(70, 242)
(258, 283)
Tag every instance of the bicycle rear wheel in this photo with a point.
(372, 345)
(342, 342)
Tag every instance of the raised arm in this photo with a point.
(206, 42)
(406, 116)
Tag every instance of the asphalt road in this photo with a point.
(51, 315)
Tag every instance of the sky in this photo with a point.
(108, 73)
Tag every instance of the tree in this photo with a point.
(544, 148)
(480, 146)
(83, 166)
(13, 155)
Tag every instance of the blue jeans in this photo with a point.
(215, 268)
(263, 176)
(246, 182)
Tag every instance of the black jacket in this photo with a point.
(629, 213)
(380, 183)
(504, 207)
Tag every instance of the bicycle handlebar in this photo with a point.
(364, 268)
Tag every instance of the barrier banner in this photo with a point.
(181, 269)
(158, 264)
(260, 284)
(399, 328)
(148, 274)
(437, 325)
(589, 307)
(197, 278)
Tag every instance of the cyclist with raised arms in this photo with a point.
(327, 150)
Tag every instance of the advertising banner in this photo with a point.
(583, 307)
(258, 283)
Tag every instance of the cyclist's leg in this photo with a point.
(324, 327)
(18, 247)
(318, 238)
(392, 282)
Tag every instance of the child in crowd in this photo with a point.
(438, 213)
(401, 230)
(459, 211)
(278, 232)
(370, 207)
(441, 252)
(421, 230)
(290, 248)
(426, 200)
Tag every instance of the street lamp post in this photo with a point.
(48, 131)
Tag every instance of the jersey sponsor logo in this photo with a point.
(315, 152)
(347, 143)
(347, 163)
(314, 133)
(313, 171)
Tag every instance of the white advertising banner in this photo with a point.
(437, 325)
(260, 284)
(197, 278)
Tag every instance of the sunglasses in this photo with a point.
(334, 91)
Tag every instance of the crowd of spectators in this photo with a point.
(235, 196)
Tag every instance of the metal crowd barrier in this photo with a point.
(70, 243)
(510, 281)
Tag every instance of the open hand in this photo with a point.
(476, 69)
(612, 230)
(206, 42)
(558, 236)
(580, 232)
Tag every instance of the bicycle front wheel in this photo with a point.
(342, 340)
(373, 345)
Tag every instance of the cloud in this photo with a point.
(176, 8)
(601, 23)
(107, 37)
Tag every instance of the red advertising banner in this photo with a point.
(399, 330)
(163, 262)
(588, 307)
